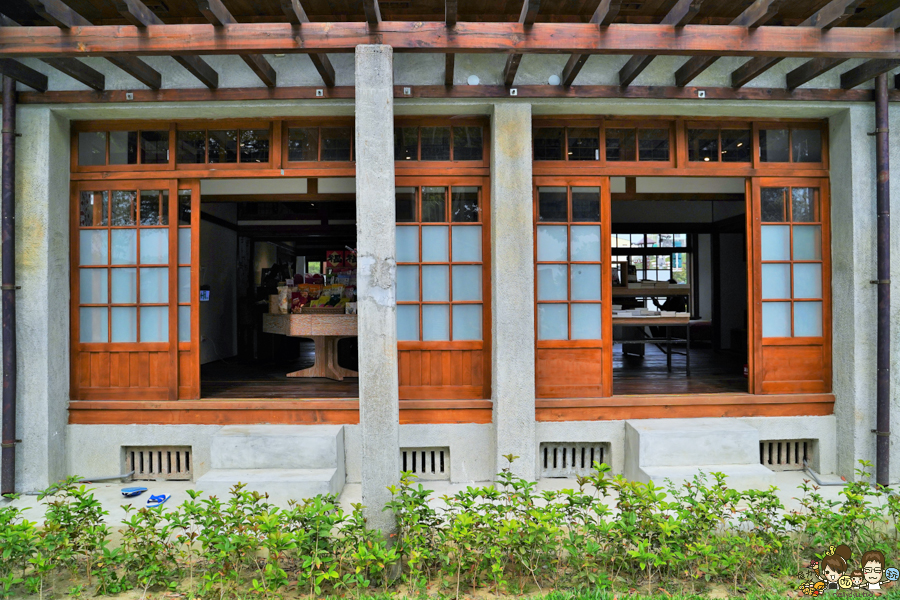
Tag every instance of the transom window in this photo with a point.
(98, 148)
(457, 143)
(324, 144)
(795, 144)
(713, 144)
(221, 145)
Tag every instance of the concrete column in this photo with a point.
(512, 284)
(379, 407)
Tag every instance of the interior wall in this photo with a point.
(705, 270)
(218, 270)
(733, 286)
(265, 254)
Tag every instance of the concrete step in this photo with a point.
(690, 442)
(740, 477)
(295, 484)
(278, 447)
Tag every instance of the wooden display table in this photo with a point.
(326, 331)
(654, 321)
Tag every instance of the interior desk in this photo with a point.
(326, 331)
(666, 322)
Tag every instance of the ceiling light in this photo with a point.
(473, 80)
(739, 144)
(554, 80)
(706, 158)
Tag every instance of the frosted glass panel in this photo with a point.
(184, 323)
(407, 283)
(155, 285)
(436, 283)
(585, 282)
(553, 322)
(184, 246)
(467, 244)
(808, 242)
(435, 243)
(807, 280)
(585, 242)
(124, 246)
(407, 244)
(776, 242)
(154, 324)
(184, 284)
(407, 322)
(776, 281)
(585, 321)
(94, 286)
(776, 319)
(551, 243)
(154, 246)
(124, 286)
(94, 247)
(807, 319)
(552, 282)
(124, 324)
(467, 282)
(94, 325)
(467, 322)
(436, 322)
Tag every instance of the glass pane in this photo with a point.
(184, 207)
(620, 145)
(466, 244)
(585, 242)
(91, 149)
(807, 280)
(94, 208)
(184, 284)
(336, 143)
(468, 144)
(807, 319)
(407, 284)
(94, 247)
(254, 145)
(775, 242)
(406, 204)
(464, 206)
(124, 286)
(406, 143)
(154, 324)
(548, 143)
(124, 324)
(774, 145)
(303, 144)
(436, 283)
(552, 282)
(123, 147)
(155, 285)
(584, 143)
(703, 145)
(154, 147)
(665, 240)
(772, 206)
(807, 145)
(435, 322)
(407, 322)
(155, 207)
(223, 146)
(154, 246)
(434, 243)
(776, 281)
(808, 242)
(586, 322)
(553, 322)
(184, 323)
(804, 205)
(552, 243)
(654, 144)
(93, 324)
(191, 147)
(184, 246)
(776, 319)
(586, 204)
(124, 209)
(94, 286)
(552, 204)
(407, 244)
(124, 246)
(435, 143)
(434, 203)
(736, 145)
(585, 282)
(467, 282)
(467, 322)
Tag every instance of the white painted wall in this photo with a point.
(218, 270)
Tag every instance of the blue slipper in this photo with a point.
(154, 501)
(133, 491)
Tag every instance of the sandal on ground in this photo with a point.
(154, 501)
(130, 492)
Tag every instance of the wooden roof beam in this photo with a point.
(679, 16)
(216, 13)
(526, 18)
(451, 15)
(373, 12)
(606, 12)
(866, 71)
(293, 10)
(832, 14)
(23, 74)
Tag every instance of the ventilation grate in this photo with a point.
(785, 455)
(564, 459)
(153, 463)
(426, 463)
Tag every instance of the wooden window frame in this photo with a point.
(219, 125)
(319, 123)
(717, 165)
(111, 126)
(449, 166)
(791, 126)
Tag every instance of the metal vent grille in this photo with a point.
(153, 463)
(564, 459)
(426, 463)
(785, 455)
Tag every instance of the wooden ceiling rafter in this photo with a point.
(372, 12)
(24, 74)
(867, 71)
(296, 15)
(527, 18)
(606, 12)
(217, 14)
(451, 15)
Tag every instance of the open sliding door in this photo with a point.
(188, 296)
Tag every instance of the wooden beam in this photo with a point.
(23, 74)
(526, 19)
(673, 197)
(308, 197)
(295, 13)
(529, 12)
(679, 16)
(451, 12)
(373, 12)
(606, 12)
(757, 14)
(217, 14)
(449, 64)
(866, 71)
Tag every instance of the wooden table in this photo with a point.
(666, 322)
(326, 331)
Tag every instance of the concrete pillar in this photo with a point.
(512, 284)
(379, 404)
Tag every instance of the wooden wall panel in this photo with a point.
(569, 373)
(117, 375)
(441, 374)
(794, 369)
